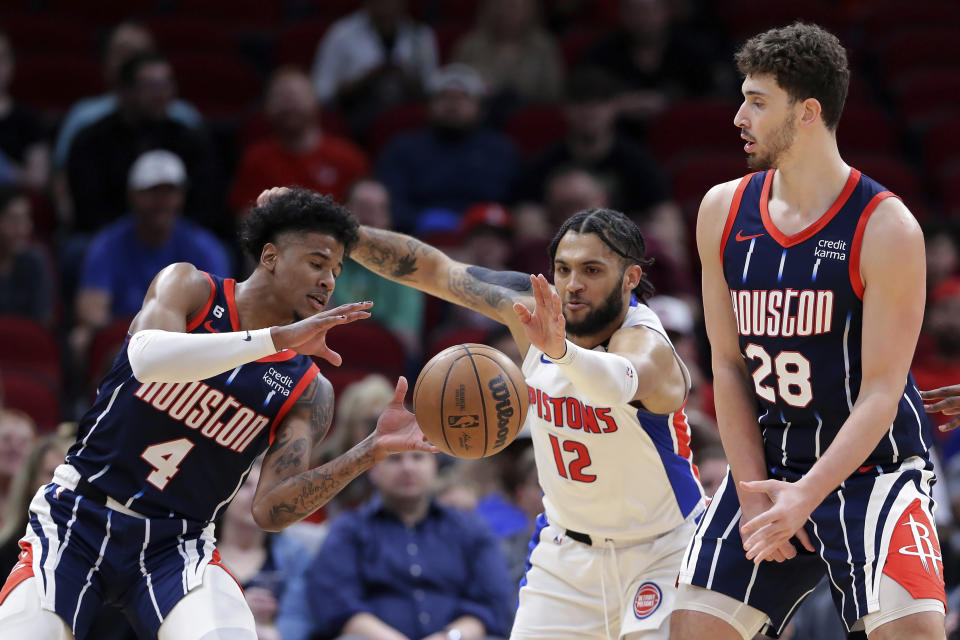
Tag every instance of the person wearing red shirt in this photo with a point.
(298, 151)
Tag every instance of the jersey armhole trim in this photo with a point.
(732, 213)
(298, 390)
(856, 282)
(229, 286)
(197, 319)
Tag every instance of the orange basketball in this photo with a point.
(470, 400)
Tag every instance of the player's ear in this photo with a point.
(269, 256)
(811, 112)
(631, 276)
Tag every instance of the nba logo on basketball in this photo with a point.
(647, 600)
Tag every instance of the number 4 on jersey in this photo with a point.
(165, 458)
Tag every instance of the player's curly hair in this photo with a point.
(807, 62)
(297, 210)
(618, 232)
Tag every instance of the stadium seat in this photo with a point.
(536, 128)
(54, 82)
(890, 172)
(693, 175)
(298, 44)
(745, 18)
(926, 96)
(455, 337)
(218, 84)
(369, 346)
(33, 395)
(949, 190)
(694, 126)
(37, 33)
(27, 346)
(245, 14)
(393, 121)
(578, 41)
(183, 35)
(919, 49)
(883, 18)
(942, 146)
(104, 348)
(866, 129)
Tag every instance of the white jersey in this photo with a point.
(617, 472)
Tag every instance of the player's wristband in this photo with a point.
(171, 356)
(605, 378)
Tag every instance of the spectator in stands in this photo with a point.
(124, 41)
(404, 566)
(516, 56)
(939, 366)
(712, 464)
(262, 564)
(298, 151)
(101, 155)
(17, 432)
(632, 177)
(452, 162)
(570, 190)
(654, 62)
(26, 279)
(124, 257)
(35, 470)
(943, 253)
(373, 58)
(24, 154)
(401, 308)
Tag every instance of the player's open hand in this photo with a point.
(269, 194)
(309, 336)
(397, 429)
(752, 505)
(545, 327)
(948, 405)
(765, 534)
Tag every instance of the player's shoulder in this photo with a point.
(890, 223)
(714, 211)
(182, 279)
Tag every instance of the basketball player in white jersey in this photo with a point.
(606, 416)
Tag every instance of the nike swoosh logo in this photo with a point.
(544, 360)
(209, 327)
(247, 338)
(743, 238)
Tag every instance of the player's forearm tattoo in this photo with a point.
(306, 492)
(475, 285)
(390, 254)
(317, 398)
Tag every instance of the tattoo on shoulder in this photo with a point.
(385, 255)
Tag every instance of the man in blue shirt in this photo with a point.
(404, 566)
(123, 257)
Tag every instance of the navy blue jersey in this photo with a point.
(183, 449)
(798, 302)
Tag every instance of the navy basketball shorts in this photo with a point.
(879, 522)
(85, 554)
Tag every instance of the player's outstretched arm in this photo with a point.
(409, 261)
(893, 302)
(289, 490)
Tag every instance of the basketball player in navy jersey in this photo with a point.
(607, 391)
(813, 287)
(213, 374)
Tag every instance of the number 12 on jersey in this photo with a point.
(577, 464)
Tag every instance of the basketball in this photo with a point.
(470, 401)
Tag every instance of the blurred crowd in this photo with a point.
(134, 134)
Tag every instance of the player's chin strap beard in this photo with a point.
(608, 544)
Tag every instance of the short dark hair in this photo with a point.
(806, 60)
(127, 75)
(618, 232)
(297, 210)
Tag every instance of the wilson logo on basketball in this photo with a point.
(647, 600)
(500, 392)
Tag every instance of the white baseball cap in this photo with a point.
(155, 168)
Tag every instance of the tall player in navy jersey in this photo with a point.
(813, 287)
(213, 374)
